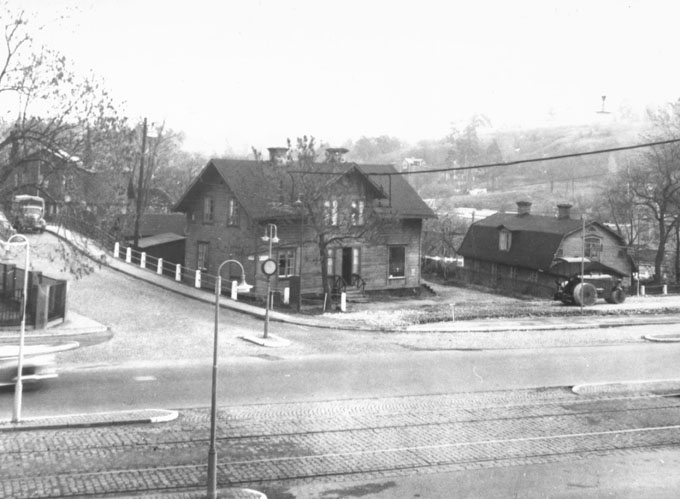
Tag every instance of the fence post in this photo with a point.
(665, 289)
(286, 296)
(197, 279)
(178, 272)
(116, 250)
(642, 291)
(128, 255)
(234, 292)
(142, 262)
(159, 266)
(343, 302)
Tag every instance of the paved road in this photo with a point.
(270, 378)
(310, 450)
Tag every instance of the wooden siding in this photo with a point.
(243, 243)
(613, 254)
(225, 241)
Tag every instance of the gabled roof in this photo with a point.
(256, 185)
(535, 239)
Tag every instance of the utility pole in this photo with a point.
(140, 185)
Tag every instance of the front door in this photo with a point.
(347, 265)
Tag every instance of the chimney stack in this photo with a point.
(335, 154)
(563, 211)
(277, 155)
(523, 208)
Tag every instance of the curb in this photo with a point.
(663, 387)
(663, 338)
(117, 418)
(272, 341)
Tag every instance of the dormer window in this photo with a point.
(504, 240)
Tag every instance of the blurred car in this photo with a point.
(38, 364)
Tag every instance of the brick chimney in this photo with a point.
(278, 155)
(335, 154)
(523, 208)
(563, 211)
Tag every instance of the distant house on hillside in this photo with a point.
(231, 203)
(528, 253)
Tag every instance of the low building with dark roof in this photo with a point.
(527, 253)
(231, 203)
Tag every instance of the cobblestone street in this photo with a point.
(274, 447)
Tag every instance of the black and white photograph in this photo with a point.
(373, 249)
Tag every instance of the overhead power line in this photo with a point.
(537, 160)
(508, 163)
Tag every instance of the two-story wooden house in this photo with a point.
(233, 203)
(527, 253)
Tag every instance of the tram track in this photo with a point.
(257, 450)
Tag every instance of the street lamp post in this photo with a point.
(212, 453)
(271, 236)
(18, 391)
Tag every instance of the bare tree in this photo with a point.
(652, 179)
(53, 106)
(338, 203)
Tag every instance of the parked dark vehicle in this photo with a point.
(28, 212)
(586, 291)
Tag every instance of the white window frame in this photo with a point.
(286, 262)
(504, 240)
(330, 268)
(208, 210)
(202, 249)
(330, 212)
(233, 213)
(593, 247)
(357, 212)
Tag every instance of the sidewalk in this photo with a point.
(333, 322)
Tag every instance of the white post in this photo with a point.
(159, 266)
(286, 296)
(178, 272)
(343, 302)
(128, 255)
(234, 292)
(665, 289)
(116, 250)
(642, 291)
(142, 262)
(197, 279)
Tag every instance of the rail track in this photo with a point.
(288, 443)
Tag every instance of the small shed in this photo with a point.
(168, 246)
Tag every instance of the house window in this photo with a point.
(330, 268)
(208, 210)
(397, 262)
(330, 212)
(357, 213)
(202, 256)
(504, 240)
(356, 259)
(286, 262)
(593, 247)
(233, 213)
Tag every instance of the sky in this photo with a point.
(235, 74)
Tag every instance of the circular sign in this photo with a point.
(269, 267)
